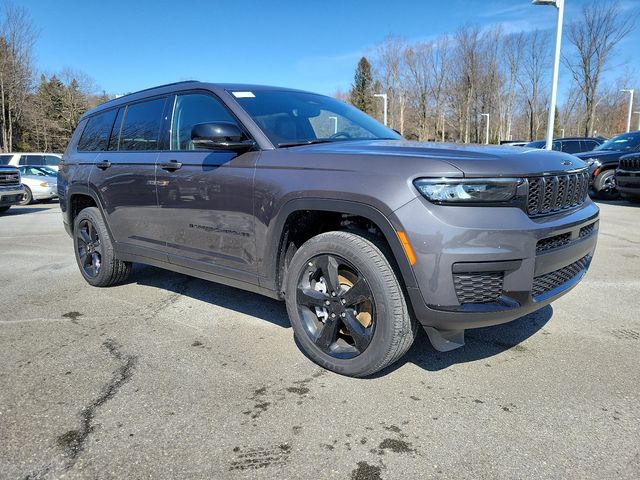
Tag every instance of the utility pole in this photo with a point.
(383, 96)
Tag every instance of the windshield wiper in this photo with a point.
(307, 142)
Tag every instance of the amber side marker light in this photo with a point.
(407, 247)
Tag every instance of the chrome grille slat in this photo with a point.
(554, 193)
(9, 178)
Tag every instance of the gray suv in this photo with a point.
(304, 198)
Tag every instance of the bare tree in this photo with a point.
(594, 36)
(17, 36)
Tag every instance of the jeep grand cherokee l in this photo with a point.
(304, 198)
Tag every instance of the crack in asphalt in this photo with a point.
(74, 441)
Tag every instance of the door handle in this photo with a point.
(103, 165)
(171, 165)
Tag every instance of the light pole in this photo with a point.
(384, 97)
(443, 125)
(335, 125)
(630, 90)
(638, 119)
(559, 4)
(562, 132)
(486, 135)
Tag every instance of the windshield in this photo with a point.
(620, 143)
(297, 118)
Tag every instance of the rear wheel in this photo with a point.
(28, 196)
(605, 185)
(346, 305)
(94, 251)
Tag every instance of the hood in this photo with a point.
(472, 160)
(601, 154)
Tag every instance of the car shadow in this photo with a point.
(22, 211)
(620, 202)
(480, 343)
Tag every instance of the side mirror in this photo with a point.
(220, 136)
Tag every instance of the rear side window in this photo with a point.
(31, 160)
(141, 126)
(190, 110)
(571, 146)
(4, 159)
(95, 136)
(51, 160)
(589, 145)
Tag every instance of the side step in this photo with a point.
(445, 340)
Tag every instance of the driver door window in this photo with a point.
(191, 110)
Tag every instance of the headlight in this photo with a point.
(443, 190)
(593, 161)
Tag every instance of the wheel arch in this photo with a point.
(277, 234)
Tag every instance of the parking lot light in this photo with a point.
(630, 90)
(383, 96)
(559, 4)
(335, 124)
(486, 135)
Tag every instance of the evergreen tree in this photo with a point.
(361, 91)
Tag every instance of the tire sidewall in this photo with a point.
(605, 195)
(383, 333)
(28, 196)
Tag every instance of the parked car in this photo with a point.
(628, 177)
(360, 231)
(50, 160)
(40, 183)
(11, 190)
(570, 145)
(513, 143)
(603, 161)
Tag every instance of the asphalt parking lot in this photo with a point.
(174, 377)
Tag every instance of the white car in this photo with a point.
(40, 183)
(33, 159)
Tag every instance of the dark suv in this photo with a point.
(571, 145)
(302, 197)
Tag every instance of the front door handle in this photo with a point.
(171, 165)
(103, 165)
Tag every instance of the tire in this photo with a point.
(372, 324)
(605, 186)
(4, 209)
(94, 251)
(28, 197)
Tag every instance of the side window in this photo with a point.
(590, 145)
(51, 160)
(190, 110)
(571, 146)
(95, 136)
(141, 127)
(31, 160)
(4, 159)
(555, 146)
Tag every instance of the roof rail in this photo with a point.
(151, 88)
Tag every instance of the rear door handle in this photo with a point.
(171, 165)
(103, 165)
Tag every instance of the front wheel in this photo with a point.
(27, 199)
(346, 305)
(605, 185)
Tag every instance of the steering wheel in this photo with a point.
(341, 133)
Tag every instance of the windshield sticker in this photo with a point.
(243, 94)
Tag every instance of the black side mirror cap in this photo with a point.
(220, 136)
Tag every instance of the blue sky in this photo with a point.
(314, 45)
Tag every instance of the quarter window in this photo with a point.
(51, 160)
(141, 127)
(190, 110)
(95, 136)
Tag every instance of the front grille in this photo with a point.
(584, 231)
(554, 193)
(553, 242)
(9, 178)
(630, 163)
(549, 281)
(478, 287)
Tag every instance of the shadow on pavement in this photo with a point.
(22, 210)
(481, 343)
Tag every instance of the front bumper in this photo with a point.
(11, 195)
(628, 182)
(481, 266)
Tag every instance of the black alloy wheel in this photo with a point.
(336, 306)
(89, 248)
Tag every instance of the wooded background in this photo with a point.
(437, 89)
